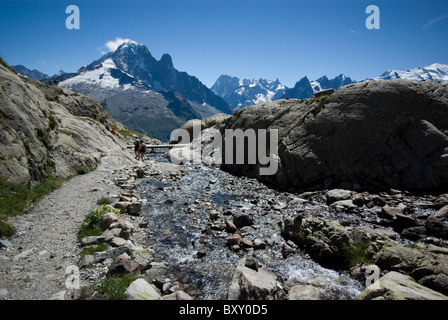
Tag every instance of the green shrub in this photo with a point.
(115, 286)
(92, 249)
(6, 229)
(52, 122)
(84, 170)
(50, 184)
(13, 198)
(92, 222)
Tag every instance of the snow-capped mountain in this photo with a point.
(324, 83)
(130, 80)
(132, 64)
(305, 88)
(225, 85)
(436, 71)
(241, 93)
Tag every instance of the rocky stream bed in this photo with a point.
(206, 229)
(197, 232)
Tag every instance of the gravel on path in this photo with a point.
(34, 266)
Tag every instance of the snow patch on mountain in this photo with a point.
(435, 71)
(101, 76)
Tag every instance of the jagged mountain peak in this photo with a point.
(240, 93)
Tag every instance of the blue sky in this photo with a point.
(284, 39)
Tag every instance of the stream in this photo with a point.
(186, 213)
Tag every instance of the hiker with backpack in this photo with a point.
(136, 147)
(142, 150)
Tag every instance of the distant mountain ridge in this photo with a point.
(240, 93)
(33, 74)
(436, 71)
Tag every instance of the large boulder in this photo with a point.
(397, 286)
(326, 241)
(437, 224)
(381, 134)
(140, 289)
(252, 282)
(427, 264)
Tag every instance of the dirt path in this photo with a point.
(34, 266)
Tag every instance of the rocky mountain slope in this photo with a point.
(145, 94)
(49, 130)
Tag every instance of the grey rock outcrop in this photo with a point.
(385, 134)
(48, 129)
(396, 286)
(336, 246)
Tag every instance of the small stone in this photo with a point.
(178, 295)
(121, 265)
(214, 215)
(140, 173)
(143, 224)
(287, 250)
(201, 253)
(117, 242)
(3, 293)
(86, 261)
(5, 243)
(108, 219)
(337, 195)
(235, 239)
(259, 244)
(246, 243)
(123, 206)
(91, 240)
(230, 226)
(242, 219)
(358, 200)
(134, 208)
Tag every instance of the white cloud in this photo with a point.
(112, 45)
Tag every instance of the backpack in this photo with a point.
(143, 147)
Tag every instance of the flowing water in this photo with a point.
(183, 234)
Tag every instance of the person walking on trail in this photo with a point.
(142, 150)
(136, 147)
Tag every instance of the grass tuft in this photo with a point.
(356, 253)
(115, 286)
